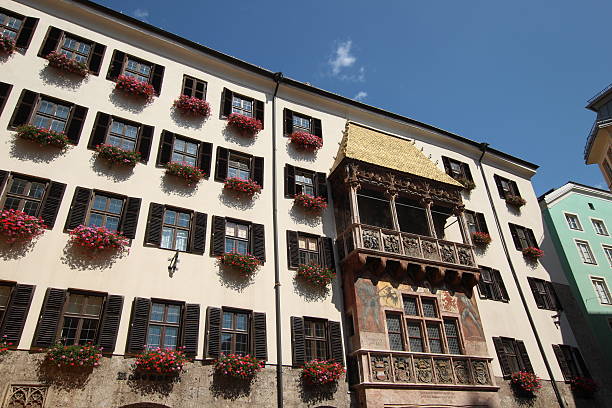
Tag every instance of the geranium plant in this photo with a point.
(467, 183)
(515, 200)
(7, 44)
(160, 361)
(584, 386)
(117, 155)
(316, 274)
(244, 124)
(533, 253)
(74, 356)
(248, 187)
(310, 202)
(16, 225)
(306, 140)
(192, 106)
(42, 136)
(526, 382)
(241, 367)
(191, 174)
(321, 372)
(481, 239)
(246, 264)
(5, 345)
(98, 239)
(133, 86)
(65, 63)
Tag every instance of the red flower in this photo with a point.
(248, 187)
(310, 202)
(244, 263)
(42, 136)
(7, 44)
(68, 356)
(118, 155)
(242, 367)
(526, 381)
(133, 86)
(190, 173)
(306, 140)
(16, 225)
(158, 361)
(481, 238)
(63, 62)
(533, 253)
(193, 106)
(316, 274)
(244, 123)
(320, 372)
(98, 239)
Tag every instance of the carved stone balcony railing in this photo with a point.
(405, 369)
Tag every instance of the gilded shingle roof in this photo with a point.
(381, 149)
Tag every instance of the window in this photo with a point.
(411, 216)
(5, 297)
(51, 115)
(608, 252)
(544, 294)
(235, 333)
(506, 187)
(316, 339)
(239, 166)
(81, 319)
(456, 169)
(570, 361)
(451, 329)
(184, 151)
(304, 182)
(415, 336)
(298, 181)
(164, 326)
(242, 106)
(475, 222)
(123, 135)
(301, 123)
(236, 237)
(512, 355)
(194, 87)
(374, 209)
(175, 232)
(491, 286)
(137, 69)
(243, 237)
(523, 237)
(394, 332)
(600, 227)
(231, 163)
(105, 212)
(308, 250)
(585, 252)
(601, 289)
(573, 222)
(591, 206)
(24, 195)
(10, 25)
(76, 49)
(298, 122)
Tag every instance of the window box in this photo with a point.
(16, 225)
(7, 44)
(318, 372)
(98, 239)
(157, 361)
(515, 201)
(246, 264)
(133, 86)
(239, 367)
(74, 356)
(246, 125)
(117, 155)
(584, 387)
(526, 383)
(315, 274)
(61, 61)
(306, 141)
(533, 253)
(192, 106)
(5, 345)
(247, 187)
(42, 136)
(481, 239)
(191, 174)
(311, 203)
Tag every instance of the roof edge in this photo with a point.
(554, 194)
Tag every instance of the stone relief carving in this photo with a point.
(411, 246)
(370, 239)
(481, 373)
(424, 370)
(448, 253)
(465, 257)
(31, 396)
(444, 371)
(461, 371)
(381, 368)
(403, 369)
(391, 243)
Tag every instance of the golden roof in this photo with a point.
(381, 149)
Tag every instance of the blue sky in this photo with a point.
(514, 74)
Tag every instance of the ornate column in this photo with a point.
(391, 194)
(427, 202)
(458, 211)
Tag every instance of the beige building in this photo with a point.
(417, 314)
(598, 149)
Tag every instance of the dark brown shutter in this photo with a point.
(98, 133)
(581, 364)
(95, 61)
(139, 325)
(555, 304)
(536, 295)
(258, 242)
(51, 41)
(447, 166)
(326, 246)
(187, 86)
(335, 342)
(293, 254)
(78, 207)
(17, 313)
(166, 144)
(287, 121)
(316, 128)
(3, 176)
(484, 288)
(515, 237)
(50, 315)
(258, 170)
(221, 165)
(515, 189)
(500, 284)
(226, 102)
(25, 35)
(298, 342)
(289, 181)
(502, 357)
(531, 238)
(213, 332)
(144, 144)
(154, 224)
(524, 356)
(205, 157)
(191, 329)
(482, 222)
(321, 179)
(130, 217)
(109, 326)
(260, 337)
(75, 123)
(116, 65)
(565, 370)
(259, 111)
(157, 78)
(218, 236)
(466, 171)
(52, 203)
(198, 233)
(5, 90)
(500, 189)
(24, 108)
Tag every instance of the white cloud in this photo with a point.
(361, 95)
(342, 57)
(357, 77)
(141, 14)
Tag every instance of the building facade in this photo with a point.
(598, 149)
(417, 313)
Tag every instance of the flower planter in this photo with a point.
(525, 383)
(246, 264)
(64, 63)
(7, 44)
(584, 387)
(239, 367)
(316, 274)
(74, 357)
(319, 372)
(117, 155)
(532, 253)
(98, 239)
(132, 86)
(310, 203)
(160, 362)
(306, 141)
(191, 105)
(192, 175)
(468, 184)
(43, 137)
(515, 201)
(16, 225)
(246, 125)
(481, 239)
(246, 187)
(4, 345)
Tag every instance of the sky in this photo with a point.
(516, 75)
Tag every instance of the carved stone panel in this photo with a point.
(465, 256)
(391, 243)
(424, 370)
(444, 371)
(381, 367)
(370, 239)
(448, 253)
(31, 396)
(462, 372)
(402, 367)
(430, 249)
(481, 372)
(411, 247)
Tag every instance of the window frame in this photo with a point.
(44, 98)
(463, 173)
(402, 331)
(474, 215)
(175, 227)
(125, 123)
(576, 219)
(603, 225)
(60, 46)
(241, 110)
(607, 249)
(5, 308)
(604, 285)
(249, 331)
(241, 157)
(140, 61)
(586, 243)
(511, 184)
(186, 140)
(301, 128)
(81, 316)
(196, 81)
(314, 339)
(496, 288)
(299, 186)
(22, 198)
(163, 324)
(235, 237)
(307, 251)
(105, 213)
(16, 16)
(527, 234)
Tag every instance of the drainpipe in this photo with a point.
(483, 148)
(278, 77)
